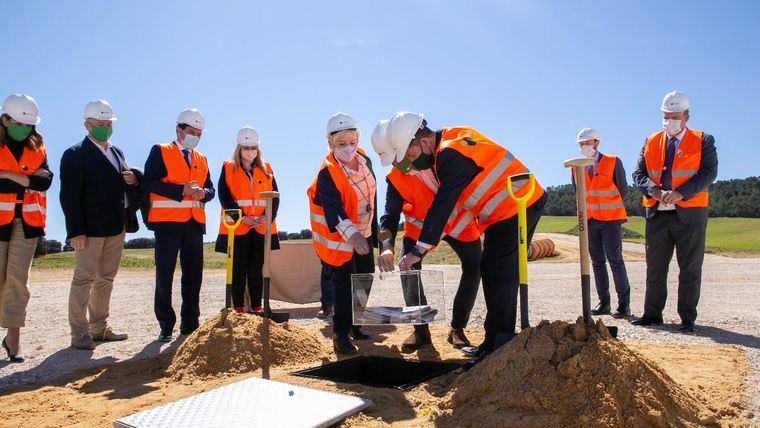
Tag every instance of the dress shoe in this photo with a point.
(686, 327)
(601, 309)
(356, 333)
(479, 351)
(108, 335)
(418, 339)
(83, 342)
(165, 337)
(647, 320)
(325, 312)
(187, 331)
(457, 338)
(622, 312)
(18, 358)
(342, 344)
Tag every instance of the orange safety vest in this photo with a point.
(417, 201)
(486, 198)
(164, 209)
(603, 200)
(686, 164)
(245, 191)
(34, 203)
(330, 246)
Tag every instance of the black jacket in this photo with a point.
(93, 191)
(708, 171)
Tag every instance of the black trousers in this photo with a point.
(500, 271)
(469, 254)
(605, 243)
(187, 240)
(248, 261)
(664, 232)
(340, 276)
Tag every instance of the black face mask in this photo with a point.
(424, 161)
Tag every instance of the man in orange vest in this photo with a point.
(177, 177)
(472, 171)
(606, 187)
(674, 171)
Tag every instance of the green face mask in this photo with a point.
(18, 132)
(425, 161)
(101, 133)
(404, 166)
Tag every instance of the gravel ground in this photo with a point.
(729, 313)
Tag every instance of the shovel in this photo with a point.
(522, 239)
(231, 225)
(278, 317)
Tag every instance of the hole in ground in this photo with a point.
(380, 372)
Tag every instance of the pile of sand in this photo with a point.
(561, 374)
(244, 343)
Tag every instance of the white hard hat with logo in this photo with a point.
(340, 122)
(22, 108)
(99, 110)
(586, 134)
(247, 136)
(381, 144)
(192, 117)
(401, 131)
(675, 102)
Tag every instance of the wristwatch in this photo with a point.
(416, 252)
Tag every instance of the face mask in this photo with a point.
(424, 161)
(18, 132)
(101, 133)
(190, 142)
(249, 155)
(588, 151)
(345, 154)
(671, 126)
(404, 166)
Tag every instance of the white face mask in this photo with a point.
(345, 154)
(248, 155)
(588, 151)
(671, 126)
(189, 142)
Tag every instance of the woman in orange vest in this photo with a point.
(342, 200)
(241, 181)
(24, 178)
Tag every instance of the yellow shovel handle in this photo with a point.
(231, 236)
(519, 177)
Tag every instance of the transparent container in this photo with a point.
(409, 297)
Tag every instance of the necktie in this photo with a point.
(186, 154)
(667, 173)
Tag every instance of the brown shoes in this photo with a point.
(109, 335)
(418, 339)
(84, 342)
(457, 338)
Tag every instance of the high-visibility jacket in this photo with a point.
(686, 164)
(245, 191)
(486, 198)
(330, 246)
(34, 203)
(417, 201)
(603, 200)
(164, 209)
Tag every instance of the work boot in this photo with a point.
(165, 336)
(357, 334)
(109, 335)
(418, 339)
(325, 312)
(457, 338)
(342, 344)
(601, 309)
(622, 312)
(83, 342)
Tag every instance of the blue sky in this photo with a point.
(529, 74)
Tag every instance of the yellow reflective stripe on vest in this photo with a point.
(461, 225)
(332, 245)
(489, 181)
(176, 204)
(611, 206)
(497, 199)
(34, 208)
(414, 221)
(602, 193)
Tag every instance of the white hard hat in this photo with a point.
(340, 122)
(192, 117)
(381, 144)
(675, 102)
(99, 110)
(401, 130)
(22, 108)
(248, 137)
(586, 134)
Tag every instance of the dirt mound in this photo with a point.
(561, 374)
(243, 344)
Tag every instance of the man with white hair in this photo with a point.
(674, 171)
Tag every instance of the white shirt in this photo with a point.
(111, 156)
(662, 206)
(365, 187)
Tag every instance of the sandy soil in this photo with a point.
(37, 388)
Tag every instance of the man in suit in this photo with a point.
(99, 196)
(674, 171)
(179, 185)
